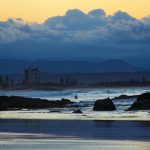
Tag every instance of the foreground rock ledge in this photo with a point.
(104, 105)
(142, 103)
(16, 103)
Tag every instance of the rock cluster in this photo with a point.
(16, 102)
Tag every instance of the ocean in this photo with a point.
(85, 102)
(60, 129)
(83, 94)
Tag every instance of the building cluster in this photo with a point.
(67, 81)
(6, 81)
(31, 76)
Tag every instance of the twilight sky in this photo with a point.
(105, 29)
(40, 10)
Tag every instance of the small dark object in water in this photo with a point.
(76, 97)
(78, 111)
(55, 111)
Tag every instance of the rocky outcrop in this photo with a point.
(142, 103)
(121, 97)
(15, 102)
(104, 105)
(78, 111)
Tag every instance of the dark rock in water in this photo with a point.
(78, 111)
(142, 103)
(104, 105)
(16, 102)
(3, 106)
(65, 101)
(124, 97)
(55, 111)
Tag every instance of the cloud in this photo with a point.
(77, 34)
(76, 20)
(97, 13)
(119, 16)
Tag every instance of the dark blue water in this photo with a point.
(135, 130)
(83, 94)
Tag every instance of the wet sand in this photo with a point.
(86, 115)
(74, 145)
(23, 134)
(83, 129)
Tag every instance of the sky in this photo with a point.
(40, 10)
(69, 29)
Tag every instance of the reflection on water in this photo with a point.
(80, 129)
(107, 124)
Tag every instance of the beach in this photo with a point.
(74, 145)
(61, 129)
(84, 129)
(74, 134)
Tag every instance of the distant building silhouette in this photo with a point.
(6, 78)
(31, 76)
(61, 81)
(1, 80)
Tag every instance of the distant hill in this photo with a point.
(8, 66)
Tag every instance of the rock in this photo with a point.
(142, 103)
(65, 101)
(16, 102)
(104, 105)
(3, 106)
(124, 97)
(55, 111)
(78, 111)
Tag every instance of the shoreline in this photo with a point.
(28, 137)
(70, 117)
(42, 109)
(75, 129)
(77, 144)
(21, 134)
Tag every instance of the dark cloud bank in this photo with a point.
(77, 35)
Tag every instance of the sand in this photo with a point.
(46, 115)
(64, 144)
(27, 134)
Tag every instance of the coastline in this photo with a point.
(46, 115)
(78, 144)
(41, 129)
(44, 109)
(31, 134)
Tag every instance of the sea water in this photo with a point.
(85, 102)
(83, 94)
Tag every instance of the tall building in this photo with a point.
(31, 76)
